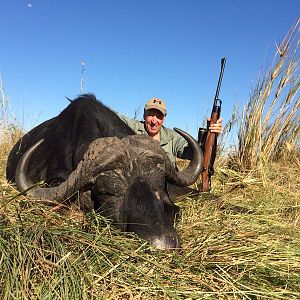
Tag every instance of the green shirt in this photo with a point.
(172, 142)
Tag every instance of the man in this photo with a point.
(175, 145)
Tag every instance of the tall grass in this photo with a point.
(269, 126)
(10, 130)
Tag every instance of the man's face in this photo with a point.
(153, 121)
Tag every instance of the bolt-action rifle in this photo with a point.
(208, 140)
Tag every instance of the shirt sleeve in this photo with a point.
(135, 125)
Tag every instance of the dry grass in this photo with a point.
(238, 243)
(10, 131)
(269, 127)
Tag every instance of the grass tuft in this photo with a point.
(269, 129)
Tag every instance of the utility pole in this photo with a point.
(82, 78)
(4, 98)
(5, 110)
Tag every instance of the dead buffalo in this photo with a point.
(88, 149)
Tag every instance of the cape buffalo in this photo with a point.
(87, 148)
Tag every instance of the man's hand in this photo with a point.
(217, 127)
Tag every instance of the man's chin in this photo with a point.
(152, 132)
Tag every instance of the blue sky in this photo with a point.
(137, 49)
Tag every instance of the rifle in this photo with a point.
(208, 140)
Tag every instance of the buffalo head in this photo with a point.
(127, 179)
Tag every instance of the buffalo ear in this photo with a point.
(70, 100)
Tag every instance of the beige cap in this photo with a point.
(156, 103)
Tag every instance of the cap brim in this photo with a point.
(157, 108)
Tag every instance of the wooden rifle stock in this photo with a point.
(209, 147)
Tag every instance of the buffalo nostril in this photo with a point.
(166, 242)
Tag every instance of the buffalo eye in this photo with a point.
(109, 184)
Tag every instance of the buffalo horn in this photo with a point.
(189, 175)
(98, 158)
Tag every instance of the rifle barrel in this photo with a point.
(223, 61)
